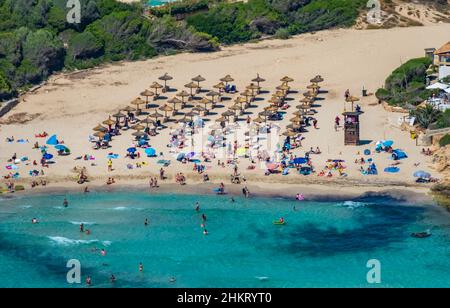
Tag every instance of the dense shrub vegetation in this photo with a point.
(240, 22)
(406, 84)
(36, 40)
(444, 141)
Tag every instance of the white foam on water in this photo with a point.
(125, 208)
(106, 243)
(26, 206)
(58, 207)
(262, 278)
(86, 223)
(352, 204)
(64, 241)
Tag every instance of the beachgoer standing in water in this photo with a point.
(65, 203)
(81, 227)
(146, 222)
(204, 217)
(88, 280)
(197, 206)
(141, 267)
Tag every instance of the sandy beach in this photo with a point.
(70, 105)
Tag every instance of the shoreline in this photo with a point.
(312, 191)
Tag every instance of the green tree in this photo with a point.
(426, 116)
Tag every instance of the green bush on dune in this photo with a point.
(406, 84)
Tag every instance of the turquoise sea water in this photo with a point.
(159, 2)
(323, 244)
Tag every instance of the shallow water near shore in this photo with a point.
(323, 244)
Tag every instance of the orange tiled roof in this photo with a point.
(443, 49)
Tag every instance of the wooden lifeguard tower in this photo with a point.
(351, 123)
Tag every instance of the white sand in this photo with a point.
(71, 105)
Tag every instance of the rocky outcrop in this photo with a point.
(441, 160)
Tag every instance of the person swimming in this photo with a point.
(103, 252)
(205, 232)
(232, 199)
(88, 280)
(88, 232)
(34, 221)
(146, 222)
(141, 267)
(112, 278)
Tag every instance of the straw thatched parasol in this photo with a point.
(352, 99)
(227, 79)
(138, 134)
(156, 115)
(147, 121)
(253, 87)
(156, 86)
(212, 94)
(198, 79)
(100, 128)
(228, 113)
(166, 108)
(205, 102)
(296, 119)
(271, 108)
(286, 79)
(290, 133)
(183, 94)
(129, 109)
(221, 119)
(317, 79)
(191, 86)
(284, 87)
(166, 77)
(235, 107)
(138, 127)
(259, 120)
(306, 100)
(258, 79)
(199, 109)
(119, 115)
(299, 113)
(174, 101)
(303, 107)
(109, 122)
(220, 86)
(240, 100)
(191, 114)
(147, 93)
(138, 101)
(100, 135)
(184, 120)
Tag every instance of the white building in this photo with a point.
(442, 60)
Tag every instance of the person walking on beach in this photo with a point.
(110, 165)
(161, 174)
(315, 123)
(246, 192)
(347, 94)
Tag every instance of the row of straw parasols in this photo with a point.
(305, 107)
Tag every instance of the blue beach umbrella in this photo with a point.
(422, 174)
(131, 150)
(391, 169)
(53, 140)
(47, 156)
(180, 156)
(300, 160)
(60, 147)
(388, 143)
(150, 152)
